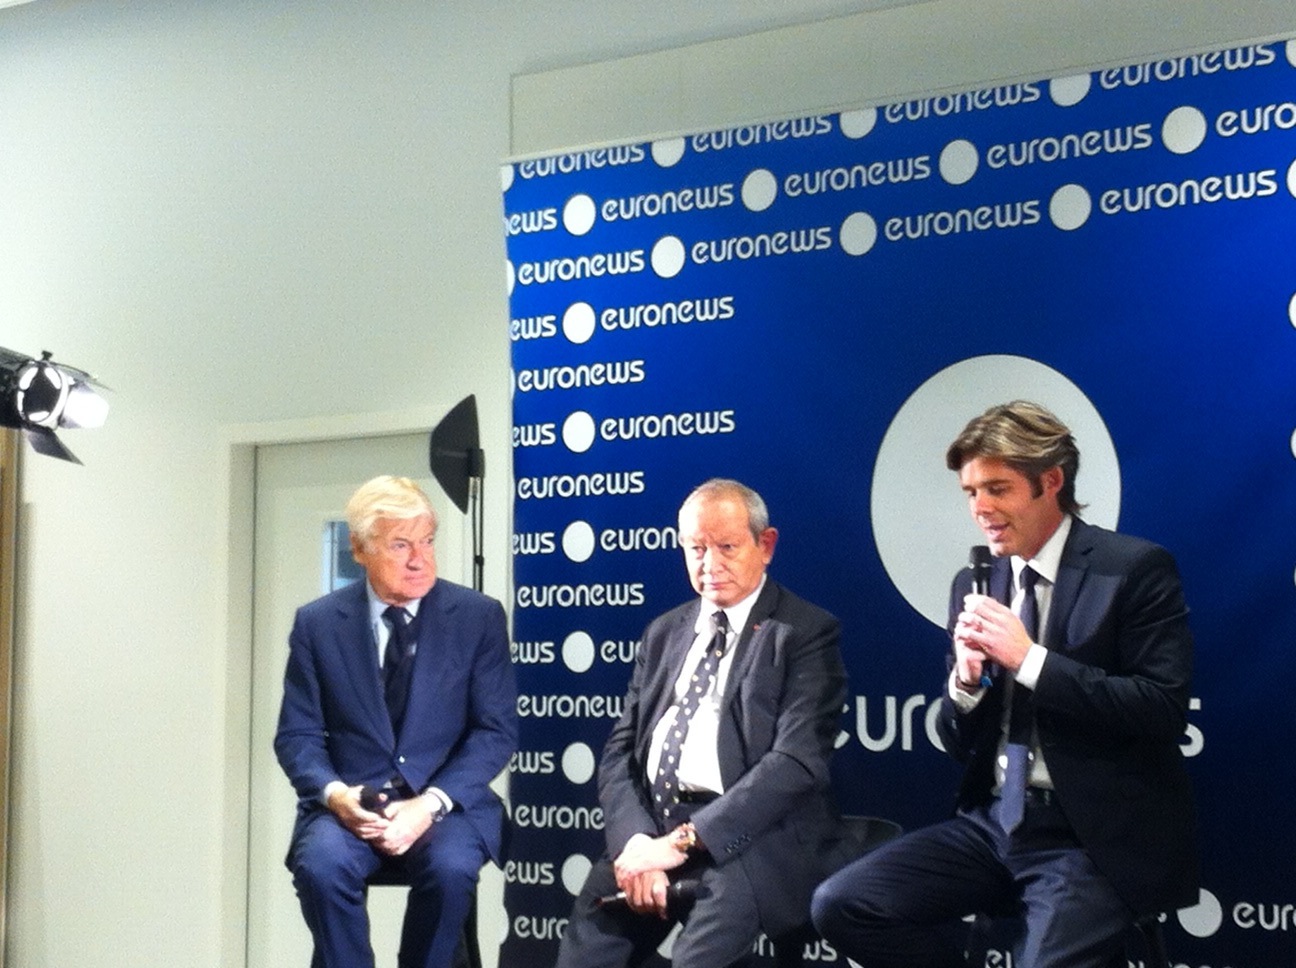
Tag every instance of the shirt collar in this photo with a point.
(377, 606)
(1049, 558)
(736, 614)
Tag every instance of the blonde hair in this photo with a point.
(385, 496)
(1028, 439)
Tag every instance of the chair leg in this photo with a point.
(1153, 941)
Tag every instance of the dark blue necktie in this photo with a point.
(665, 785)
(1021, 721)
(398, 660)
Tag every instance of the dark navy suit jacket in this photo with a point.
(779, 718)
(1111, 706)
(460, 726)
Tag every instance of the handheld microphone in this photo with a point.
(979, 559)
(677, 893)
(373, 799)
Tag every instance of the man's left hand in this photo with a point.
(642, 854)
(407, 820)
(991, 628)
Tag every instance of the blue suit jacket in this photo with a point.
(779, 718)
(1111, 705)
(460, 725)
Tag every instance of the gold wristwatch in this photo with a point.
(684, 838)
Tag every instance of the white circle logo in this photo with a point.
(1291, 52)
(916, 502)
(578, 432)
(1184, 130)
(578, 322)
(1204, 918)
(857, 124)
(1291, 178)
(759, 190)
(1069, 91)
(578, 652)
(578, 541)
(958, 162)
(579, 214)
(668, 257)
(578, 763)
(1069, 207)
(858, 233)
(574, 871)
(510, 275)
(668, 151)
(506, 177)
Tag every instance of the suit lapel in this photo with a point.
(751, 640)
(1071, 574)
(659, 691)
(1001, 581)
(431, 654)
(359, 655)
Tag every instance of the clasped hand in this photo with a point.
(640, 871)
(987, 631)
(391, 831)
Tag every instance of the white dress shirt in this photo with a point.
(699, 766)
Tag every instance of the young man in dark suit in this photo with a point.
(1066, 700)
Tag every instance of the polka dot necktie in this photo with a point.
(665, 787)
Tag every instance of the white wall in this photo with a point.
(248, 212)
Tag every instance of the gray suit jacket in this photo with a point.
(1111, 705)
(779, 719)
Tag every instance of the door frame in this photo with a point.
(239, 445)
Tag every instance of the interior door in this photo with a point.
(301, 490)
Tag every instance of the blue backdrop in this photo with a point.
(815, 306)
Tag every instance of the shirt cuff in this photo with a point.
(1029, 672)
(442, 803)
(329, 788)
(964, 702)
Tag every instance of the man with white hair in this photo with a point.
(399, 708)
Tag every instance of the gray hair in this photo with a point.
(723, 487)
(385, 497)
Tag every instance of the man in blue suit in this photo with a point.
(1066, 700)
(717, 772)
(399, 708)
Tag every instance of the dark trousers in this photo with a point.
(330, 868)
(720, 926)
(901, 905)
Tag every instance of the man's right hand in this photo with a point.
(646, 893)
(344, 801)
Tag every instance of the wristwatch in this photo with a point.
(684, 838)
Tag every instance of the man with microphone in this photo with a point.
(1066, 700)
(716, 775)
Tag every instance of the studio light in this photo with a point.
(41, 396)
(459, 465)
